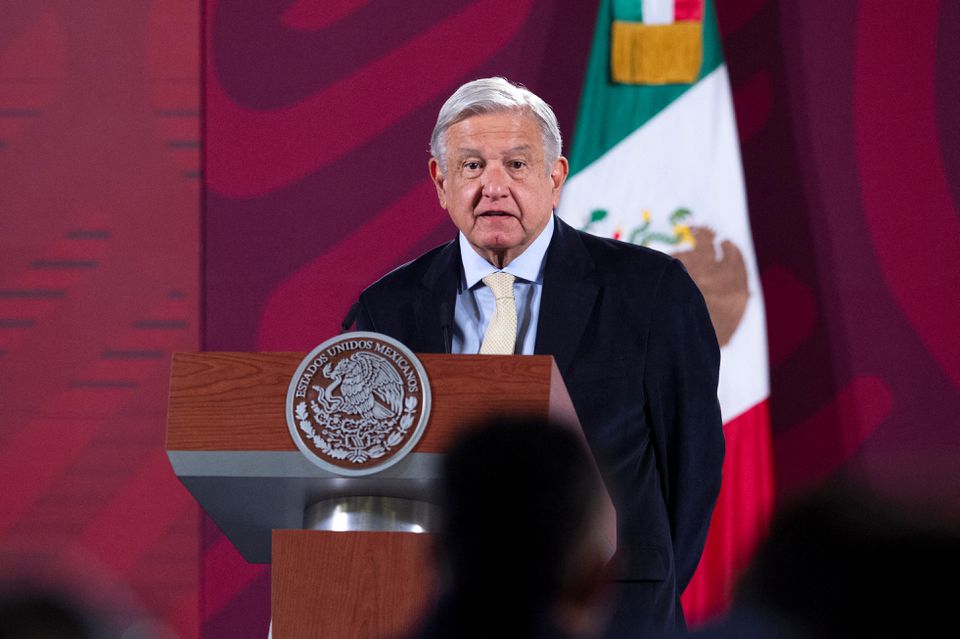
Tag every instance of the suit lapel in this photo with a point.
(570, 290)
(438, 296)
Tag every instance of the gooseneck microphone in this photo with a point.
(350, 317)
(445, 320)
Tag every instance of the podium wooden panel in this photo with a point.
(228, 442)
(235, 401)
(359, 584)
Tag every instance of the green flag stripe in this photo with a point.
(631, 10)
(609, 112)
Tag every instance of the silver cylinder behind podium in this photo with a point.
(372, 514)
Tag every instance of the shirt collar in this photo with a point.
(526, 266)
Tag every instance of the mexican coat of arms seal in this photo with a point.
(358, 403)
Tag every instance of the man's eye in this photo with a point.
(471, 166)
(517, 164)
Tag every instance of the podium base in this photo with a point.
(343, 585)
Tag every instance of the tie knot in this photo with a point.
(501, 284)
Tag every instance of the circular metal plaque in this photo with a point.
(358, 403)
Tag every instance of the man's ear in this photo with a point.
(439, 181)
(558, 175)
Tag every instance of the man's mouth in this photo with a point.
(494, 214)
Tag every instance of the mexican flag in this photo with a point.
(655, 161)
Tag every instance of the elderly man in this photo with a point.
(626, 325)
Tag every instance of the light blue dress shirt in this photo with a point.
(476, 304)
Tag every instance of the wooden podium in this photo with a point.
(229, 444)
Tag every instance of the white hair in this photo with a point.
(495, 95)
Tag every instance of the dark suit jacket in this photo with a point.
(632, 338)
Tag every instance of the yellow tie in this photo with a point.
(501, 335)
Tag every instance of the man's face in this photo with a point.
(497, 187)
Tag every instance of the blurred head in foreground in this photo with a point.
(27, 612)
(844, 562)
(59, 594)
(521, 549)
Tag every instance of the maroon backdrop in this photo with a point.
(318, 117)
(316, 121)
(99, 279)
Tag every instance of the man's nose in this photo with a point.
(495, 182)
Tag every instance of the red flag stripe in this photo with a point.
(741, 516)
(688, 10)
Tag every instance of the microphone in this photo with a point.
(350, 317)
(445, 325)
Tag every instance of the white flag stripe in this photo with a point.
(691, 147)
(657, 11)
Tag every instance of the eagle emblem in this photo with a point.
(367, 385)
(357, 402)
